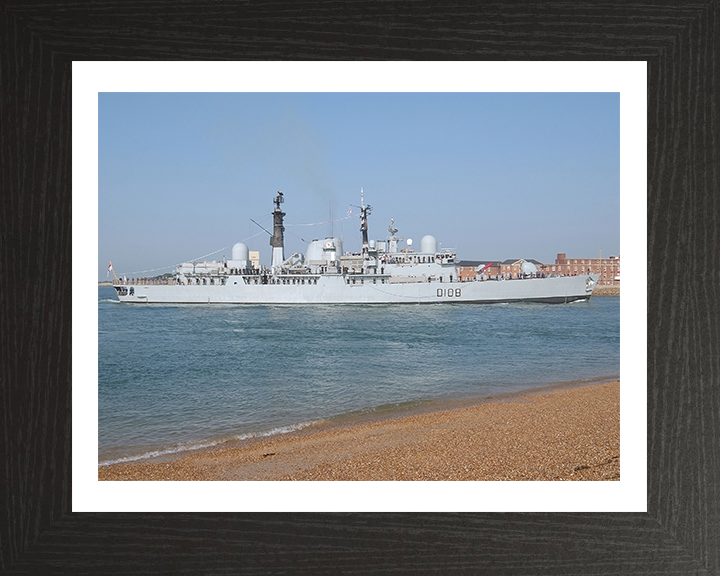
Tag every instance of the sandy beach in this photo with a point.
(554, 434)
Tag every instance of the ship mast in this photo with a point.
(364, 211)
(277, 240)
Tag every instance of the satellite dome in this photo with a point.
(428, 244)
(240, 252)
(409, 241)
(528, 268)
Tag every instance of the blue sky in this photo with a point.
(492, 175)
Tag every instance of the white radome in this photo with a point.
(428, 244)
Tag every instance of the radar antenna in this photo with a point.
(279, 199)
(392, 239)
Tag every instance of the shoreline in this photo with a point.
(565, 431)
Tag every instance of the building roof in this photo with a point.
(475, 263)
(511, 261)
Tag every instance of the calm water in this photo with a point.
(175, 376)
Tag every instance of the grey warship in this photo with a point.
(379, 274)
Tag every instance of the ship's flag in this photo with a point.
(109, 269)
(349, 211)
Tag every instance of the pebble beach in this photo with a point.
(563, 433)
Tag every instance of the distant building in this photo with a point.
(608, 268)
(469, 270)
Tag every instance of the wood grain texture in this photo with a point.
(681, 531)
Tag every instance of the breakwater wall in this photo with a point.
(607, 290)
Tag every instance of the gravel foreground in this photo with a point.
(567, 434)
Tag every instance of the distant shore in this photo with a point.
(554, 434)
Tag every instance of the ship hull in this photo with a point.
(338, 289)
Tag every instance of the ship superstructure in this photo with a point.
(381, 273)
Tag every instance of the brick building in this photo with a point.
(608, 268)
(468, 270)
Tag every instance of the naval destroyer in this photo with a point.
(380, 274)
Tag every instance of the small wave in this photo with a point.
(105, 300)
(278, 430)
(189, 447)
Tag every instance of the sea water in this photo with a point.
(177, 377)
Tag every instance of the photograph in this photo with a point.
(207, 155)
(370, 286)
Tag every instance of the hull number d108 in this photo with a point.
(449, 292)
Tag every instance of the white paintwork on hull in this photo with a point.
(336, 290)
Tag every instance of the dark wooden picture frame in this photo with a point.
(680, 532)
